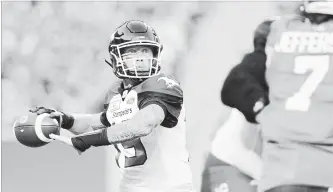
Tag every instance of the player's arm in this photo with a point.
(246, 84)
(228, 146)
(75, 123)
(160, 103)
(82, 123)
(142, 124)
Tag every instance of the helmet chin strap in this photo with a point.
(107, 62)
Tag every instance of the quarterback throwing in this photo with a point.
(143, 117)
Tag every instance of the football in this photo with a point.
(33, 130)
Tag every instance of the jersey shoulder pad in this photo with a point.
(162, 84)
(274, 18)
(284, 21)
(164, 91)
(279, 25)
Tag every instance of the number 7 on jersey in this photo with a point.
(319, 65)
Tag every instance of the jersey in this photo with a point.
(297, 125)
(247, 134)
(235, 136)
(160, 160)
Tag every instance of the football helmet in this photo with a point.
(134, 33)
(318, 6)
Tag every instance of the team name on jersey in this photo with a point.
(305, 42)
(121, 110)
(121, 113)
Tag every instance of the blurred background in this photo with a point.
(53, 55)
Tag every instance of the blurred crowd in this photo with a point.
(53, 52)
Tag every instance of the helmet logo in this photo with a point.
(130, 101)
(168, 82)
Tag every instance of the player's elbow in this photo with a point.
(141, 130)
(147, 120)
(152, 115)
(147, 129)
(149, 124)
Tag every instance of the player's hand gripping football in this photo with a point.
(57, 115)
(65, 120)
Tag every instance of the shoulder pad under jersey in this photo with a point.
(161, 84)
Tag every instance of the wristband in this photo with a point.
(94, 138)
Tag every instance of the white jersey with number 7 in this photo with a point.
(297, 125)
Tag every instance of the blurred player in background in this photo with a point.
(143, 116)
(234, 162)
(297, 125)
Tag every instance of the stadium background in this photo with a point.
(52, 55)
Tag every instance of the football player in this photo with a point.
(297, 125)
(143, 117)
(234, 162)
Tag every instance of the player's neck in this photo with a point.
(129, 83)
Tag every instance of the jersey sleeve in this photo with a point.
(246, 84)
(165, 92)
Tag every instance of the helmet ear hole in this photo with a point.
(155, 51)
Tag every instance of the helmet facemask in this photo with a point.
(138, 65)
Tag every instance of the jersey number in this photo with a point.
(319, 66)
(131, 153)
